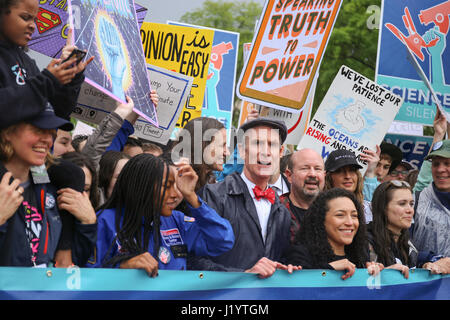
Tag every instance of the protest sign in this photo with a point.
(414, 148)
(354, 115)
(109, 32)
(286, 52)
(184, 50)
(295, 122)
(52, 25)
(411, 57)
(219, 96)
(421, 27)
(410, 128)
(172, 88)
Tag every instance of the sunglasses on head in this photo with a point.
(399, 183)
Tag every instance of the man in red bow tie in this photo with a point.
(260, 222)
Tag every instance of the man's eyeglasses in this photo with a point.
(395, 173)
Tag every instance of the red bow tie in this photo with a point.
(269, 194)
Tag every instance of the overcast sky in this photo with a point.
(162, 10)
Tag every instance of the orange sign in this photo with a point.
(286, 53)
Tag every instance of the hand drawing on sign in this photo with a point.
(350, 118)
(113, 56)
(215, 67)
(433, 40)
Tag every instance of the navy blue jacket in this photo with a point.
(25, 90)
(232, 200)
(14, 246)
(205, 233)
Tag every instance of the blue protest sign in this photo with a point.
(421, 26)
(109, 32)
(219, 94)
(414, 148)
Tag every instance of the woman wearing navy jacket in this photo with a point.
(30, 225)
(139, 228)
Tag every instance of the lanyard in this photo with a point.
(29, 231)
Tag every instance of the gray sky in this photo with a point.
(162, 10)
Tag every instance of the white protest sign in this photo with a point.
(355, 114)
(172, 88)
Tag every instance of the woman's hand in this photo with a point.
(10, 197)
(154, 97)
(186, 180)
(400, 267)
(78, 204)
(125, 110)
(344, 265)
(374, 268)
(143, 261)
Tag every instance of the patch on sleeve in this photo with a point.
(189, 219)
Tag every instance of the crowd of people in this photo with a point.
(111, 200)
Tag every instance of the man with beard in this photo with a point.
(306, 174)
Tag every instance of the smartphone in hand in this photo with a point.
(79, 54)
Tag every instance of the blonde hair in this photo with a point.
(7, 150)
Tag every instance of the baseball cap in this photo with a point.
(48, 120)
(394, 152)
(440, 149)
(263, 121)
(341, 158)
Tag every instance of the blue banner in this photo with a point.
(104, 284)
(414, 148)
(423, 27)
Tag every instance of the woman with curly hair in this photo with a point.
(333, 235)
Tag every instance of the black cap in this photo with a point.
(394, 152)
(262, 121)
(48, 120)
(406, 164)
(341, 158)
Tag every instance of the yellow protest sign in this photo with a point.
(181, 49)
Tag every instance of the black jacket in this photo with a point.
(299, 255)
(14, 246)
(232, 200)
(25, 90)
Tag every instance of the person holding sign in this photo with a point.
(333, 235)
(139, 227)
(24, 90)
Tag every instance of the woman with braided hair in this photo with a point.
(138, 227)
